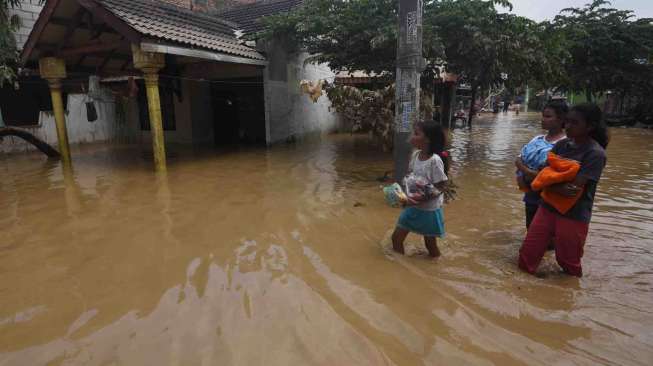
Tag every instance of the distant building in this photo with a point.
(216, 88)
(28, 12)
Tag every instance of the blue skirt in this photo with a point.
(422, 222)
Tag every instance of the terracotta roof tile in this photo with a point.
(248, 16)
(168, 22)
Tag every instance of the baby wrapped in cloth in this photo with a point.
(534, 155)
(559, 170)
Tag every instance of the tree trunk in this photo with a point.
(454, 98)
(447, 104)
(482, 98)
(622, 104)
(588, 96)
(472, 109)
(38, 143)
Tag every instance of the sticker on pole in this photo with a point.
(406, 111)
(411, 24)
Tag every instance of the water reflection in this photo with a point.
(275, 256)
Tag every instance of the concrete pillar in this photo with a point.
(150, 64)
(54, 70)
(410, 65)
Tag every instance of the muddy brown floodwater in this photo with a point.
(279, 257)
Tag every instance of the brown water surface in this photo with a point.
(279, 257)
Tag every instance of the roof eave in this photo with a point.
(200, 53)
(120, 26)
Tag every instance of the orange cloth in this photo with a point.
(559, 170)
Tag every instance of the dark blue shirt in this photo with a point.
(592, 159)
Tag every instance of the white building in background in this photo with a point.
(28, 12)
(201, 97)
(41, 124)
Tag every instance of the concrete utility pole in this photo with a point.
(410, 65)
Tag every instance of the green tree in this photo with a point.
(467, 37)
(608, 50)
(550, 55)
(484, 46)
(8, 51)
(480, 44)
(348, 35)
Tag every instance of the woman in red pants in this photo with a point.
(587, 138)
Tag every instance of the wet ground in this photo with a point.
(279, 257)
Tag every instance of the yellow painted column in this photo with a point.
(150, 64)
(156, 120)
(54, 70)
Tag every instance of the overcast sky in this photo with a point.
(547, 9)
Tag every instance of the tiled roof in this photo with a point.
(172, 23)
(248, 16)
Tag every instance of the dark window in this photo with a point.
(166, 95)
(22, 107)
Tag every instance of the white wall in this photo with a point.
(28, 12)
(106, 128)
(310, 117)
(289, 113)
(80, 130)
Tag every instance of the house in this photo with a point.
(164, 72)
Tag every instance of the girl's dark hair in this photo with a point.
(559, 107)
(437, 141)
(594, 118)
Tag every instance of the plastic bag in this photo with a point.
(418, 188)
(394, 195)
(91, 112)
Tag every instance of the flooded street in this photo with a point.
(279, 257)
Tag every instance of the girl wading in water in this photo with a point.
(425, 183)
(566, 208)
(533, 155)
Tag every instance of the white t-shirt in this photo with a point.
(432, 170)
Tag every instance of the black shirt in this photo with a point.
(592, 158)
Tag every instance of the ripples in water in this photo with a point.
(280, 257)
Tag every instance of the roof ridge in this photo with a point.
(258, 3)
(180, 25)
(185, 11)
(249, 16)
